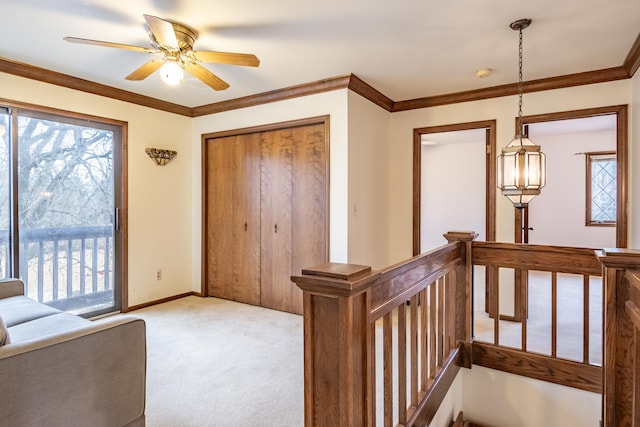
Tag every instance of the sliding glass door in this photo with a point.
(5, 193)
(63, 195)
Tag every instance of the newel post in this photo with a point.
(621, 336)
(337, 342)
(464, 285)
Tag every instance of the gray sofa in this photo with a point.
(58, 369)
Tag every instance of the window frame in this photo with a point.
(589, 156)
(120, 128)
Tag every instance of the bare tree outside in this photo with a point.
(65, 200)
(65, 175)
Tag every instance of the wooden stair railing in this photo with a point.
(349, 309)
(347, 306)
(621, 379)
(518, 357)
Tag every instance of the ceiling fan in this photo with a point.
(173, 41)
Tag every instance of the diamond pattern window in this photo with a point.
(601, 189)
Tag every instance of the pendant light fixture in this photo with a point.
(521, 165)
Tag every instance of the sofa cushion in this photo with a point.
(48, 325)
(4, 333)
(20, 309)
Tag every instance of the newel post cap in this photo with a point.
(336, 279)
(460, 236)
(621, 258)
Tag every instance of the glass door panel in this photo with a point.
(65, 212)
(5, 194)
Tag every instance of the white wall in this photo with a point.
(451, 200)
(491, 397)
(159, 216)
(333, 104)
(368, 184)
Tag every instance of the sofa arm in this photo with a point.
(95, 373)
(11, 288)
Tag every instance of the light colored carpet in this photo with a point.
(212, 362)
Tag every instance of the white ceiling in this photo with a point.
(405, 49)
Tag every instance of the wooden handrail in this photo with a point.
(342, 305)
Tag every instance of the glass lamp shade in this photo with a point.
(171, 73)
(521, 171)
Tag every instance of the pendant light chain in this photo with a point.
(520, 81)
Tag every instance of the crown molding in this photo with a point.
(351, 81)
(367, 91)
(52, 77)
(305, 89)
(632, 61)
(569, 80)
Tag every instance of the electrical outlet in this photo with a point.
(158, 274)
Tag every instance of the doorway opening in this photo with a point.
(558, 216)
(454, 182)
(61, 197)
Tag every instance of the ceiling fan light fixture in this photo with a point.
(171, 73)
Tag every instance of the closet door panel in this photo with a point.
(245, 217)
(220, 239)
(309, 204)
(275, 247)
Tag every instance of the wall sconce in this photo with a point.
(159, 156)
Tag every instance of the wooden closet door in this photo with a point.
(246, 220)
(232, 222)
(275, 245)
(309, 227)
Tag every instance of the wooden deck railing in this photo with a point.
(68, 268)
(383, 348)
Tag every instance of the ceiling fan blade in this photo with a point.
(207, 77)
(146, 70)
(247, 59)
(163, 32)
(108, 44)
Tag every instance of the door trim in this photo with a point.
(490, 161)
(622, 132)
(121, 200)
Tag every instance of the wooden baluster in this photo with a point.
(402, 364)
(424, 334)
(585, 319)
(554, 314)
(387, 371)
(415, 387)
(433, 355)
(441, 314)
